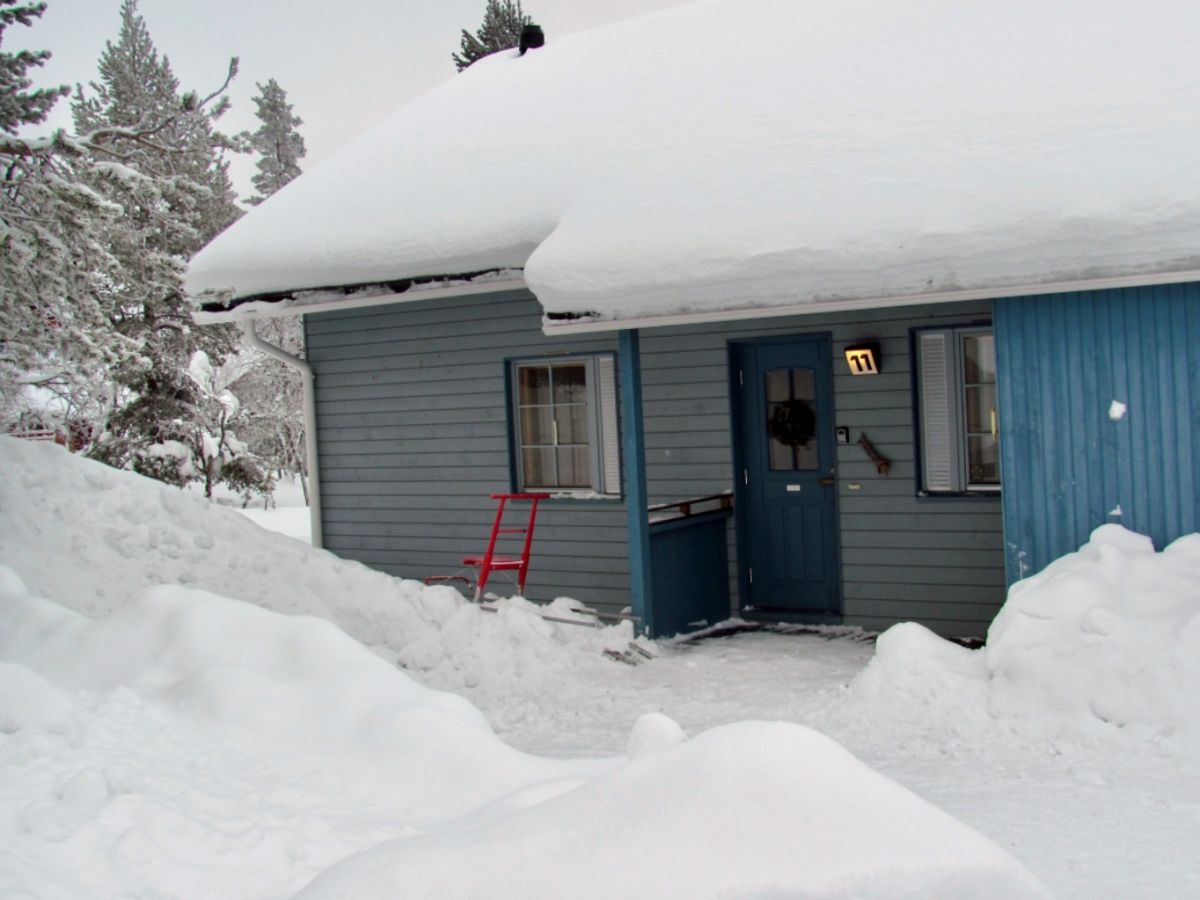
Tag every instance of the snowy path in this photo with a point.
(1089, 829)
(198, 747)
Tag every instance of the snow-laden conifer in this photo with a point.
(272, 423)
(501, 30)
(165, 170)
(277, 142)
(56, 342)
(18, 104)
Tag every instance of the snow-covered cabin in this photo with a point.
(916, 281)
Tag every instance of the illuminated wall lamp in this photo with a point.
(863, 359)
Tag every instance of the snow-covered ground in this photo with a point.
(160, 739)
(285, 513)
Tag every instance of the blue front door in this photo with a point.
(784, 458)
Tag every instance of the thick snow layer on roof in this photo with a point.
(739, 153)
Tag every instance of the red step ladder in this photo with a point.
(490, 561)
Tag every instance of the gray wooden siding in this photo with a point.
(413, 432)
(937, 560)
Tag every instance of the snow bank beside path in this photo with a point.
(747, 810)
(124, 533)
(184, 744)
(190, 745)
(294, 681)
(1101, 648)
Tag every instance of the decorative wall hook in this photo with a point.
(882, 463)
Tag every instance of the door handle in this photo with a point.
(827, 481)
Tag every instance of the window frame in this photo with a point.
(939, 412)
(603, 433)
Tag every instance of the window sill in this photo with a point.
(583, 496)
(984, 494)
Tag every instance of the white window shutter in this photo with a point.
(610, 436)
(937, 412)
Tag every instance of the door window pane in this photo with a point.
(791, 419)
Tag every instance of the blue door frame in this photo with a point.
(784, 471)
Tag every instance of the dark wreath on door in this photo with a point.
(790, 395)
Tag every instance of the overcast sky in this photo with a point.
(344, 65)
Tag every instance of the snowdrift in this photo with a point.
(184, 744)
(747, 810)
(290, 681)
(90, 537)
(1101, 648)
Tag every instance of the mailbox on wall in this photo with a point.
(863, 359)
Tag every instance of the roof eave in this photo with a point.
(356, 297)
(584, 325)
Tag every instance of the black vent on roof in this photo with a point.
(531, 36)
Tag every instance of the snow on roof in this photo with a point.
(765, 154)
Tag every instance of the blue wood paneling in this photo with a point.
(1068, 466)
(690, 572)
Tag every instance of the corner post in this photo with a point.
(633, 450)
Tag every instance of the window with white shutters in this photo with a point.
(957, 411)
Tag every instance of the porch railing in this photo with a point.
(683, 509)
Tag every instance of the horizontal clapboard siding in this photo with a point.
(940, 561)
(413, 428)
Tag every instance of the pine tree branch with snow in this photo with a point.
(277, 142)
(503, 21)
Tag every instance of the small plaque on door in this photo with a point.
(794, 487)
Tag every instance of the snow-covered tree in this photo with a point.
(18, 104)
(199, 443)
(154, 154)
(501, 30)
(217, 455)
(55, 265)
(277, 142)
(273, 401)
(272, 392)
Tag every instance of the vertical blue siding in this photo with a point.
(633, 447)
(1068, 467)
